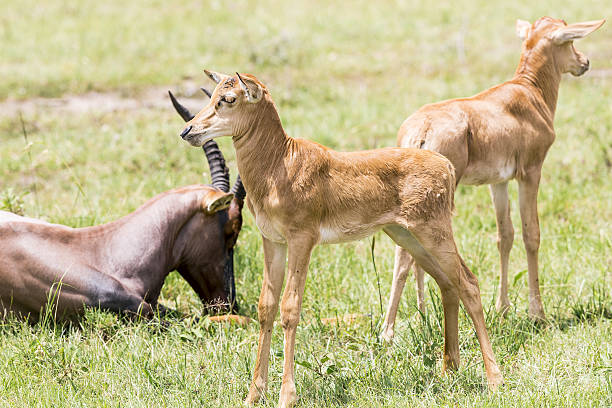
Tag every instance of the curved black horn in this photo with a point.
(183, 111)
(219, 172)
(238, 189)
(206, 91)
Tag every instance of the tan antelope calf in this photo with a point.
(495, 136)
(303, 194)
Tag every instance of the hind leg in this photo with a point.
(403, 262)
(470, 296)
(450, 303)
(434, 249)
(450, 300)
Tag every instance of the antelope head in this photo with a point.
(209, 264)
(554, 39)
(230, 111)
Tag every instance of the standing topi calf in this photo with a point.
(498, 135)
(121, 266)
(303, 194)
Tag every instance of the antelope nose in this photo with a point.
(186, 131)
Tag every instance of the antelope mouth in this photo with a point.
(195, 138)
(583, 68)
(185, 132)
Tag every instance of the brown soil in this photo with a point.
(97, 102)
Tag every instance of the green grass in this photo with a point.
(346, 76)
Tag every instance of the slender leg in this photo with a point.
(528, 200)
(469, 293)
(419, 277)
(274, 273)
(403, 261)
(450, 302)
(466, 286)
(505, 237)
(433, 248)
(299, 257)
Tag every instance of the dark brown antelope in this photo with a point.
(121, 266)
(303, 194)
(498, 135)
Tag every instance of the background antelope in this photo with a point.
(498, 135)
(303, 194)
(121, 266)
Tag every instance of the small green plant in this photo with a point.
(597, 306)
(13, 202)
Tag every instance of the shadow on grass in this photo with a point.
(358, 361)
(412, 366)
(105, 324)
(348, 363)
(513, 331)
(598, 306)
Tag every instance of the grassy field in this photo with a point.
(343, 75)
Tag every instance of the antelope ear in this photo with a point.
(215, 76)
(215, 201)
(575, 31)
(251, 89)
(522, 28)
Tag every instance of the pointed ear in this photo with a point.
(215, 201)
(251, 89)
(575, 31)
(215, 76)
(522, 28)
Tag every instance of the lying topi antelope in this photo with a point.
(303, 194)
(500, 134)
(121, 266)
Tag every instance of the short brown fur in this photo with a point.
(303, 194)
(120, 266)
(500, 134)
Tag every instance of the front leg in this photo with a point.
(299, 258)
(505, 238)
(528, 200)
(110, 294)
(274, 273)
(164, 312)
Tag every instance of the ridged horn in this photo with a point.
(238, 189)
(219, 172)
(183, 111)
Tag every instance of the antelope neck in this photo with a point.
(539, 71)
(262, 149)
(150, 232)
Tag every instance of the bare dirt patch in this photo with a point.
(104, 102)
